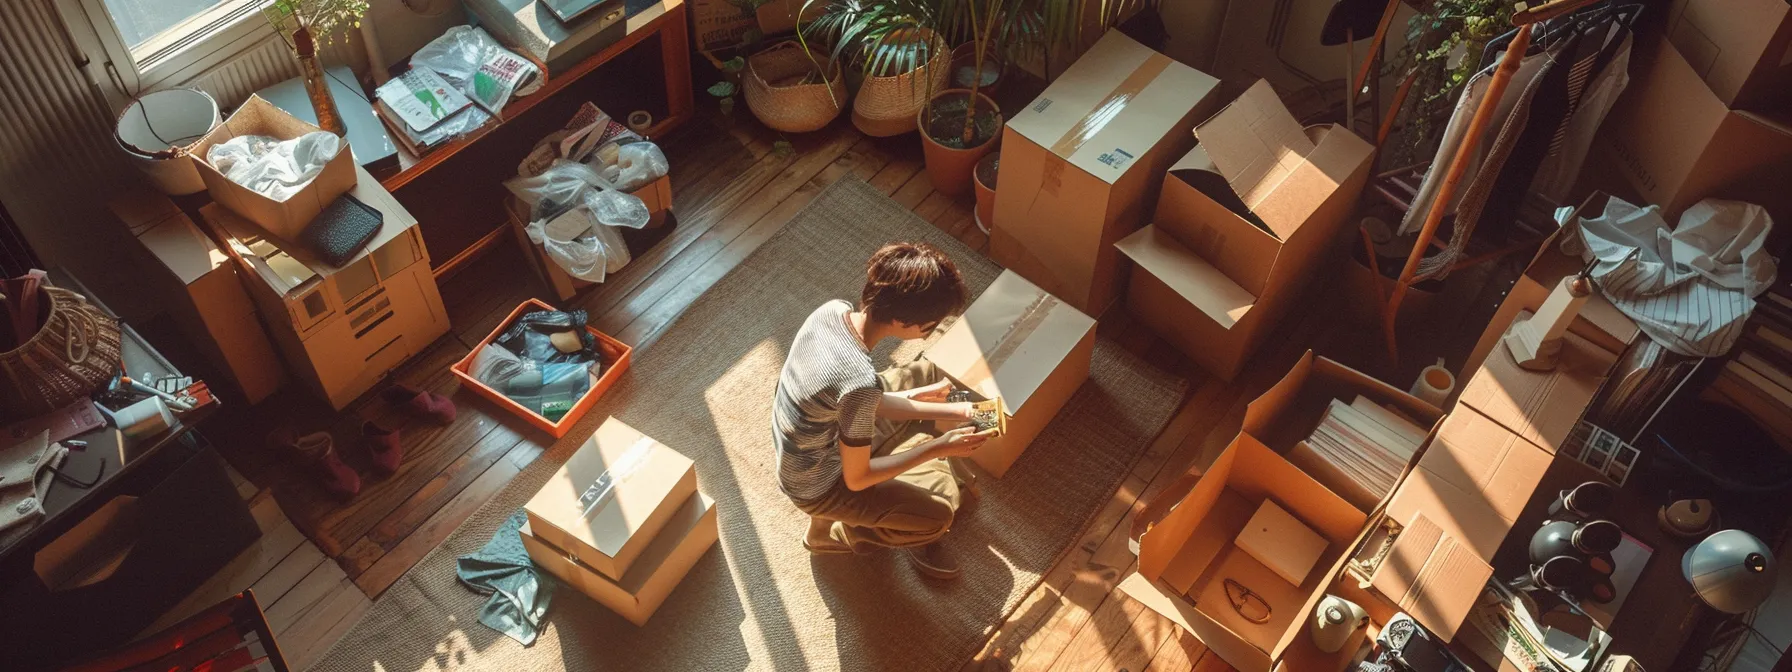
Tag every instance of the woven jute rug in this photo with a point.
(757, 600)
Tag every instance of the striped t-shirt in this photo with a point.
(827, 394)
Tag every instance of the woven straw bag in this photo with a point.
(780, 92)
(75, 352)
(886, 106)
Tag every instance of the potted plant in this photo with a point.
(901, 57)
(300, 23)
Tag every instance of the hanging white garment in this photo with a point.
(1690, 288)
(1457, 130)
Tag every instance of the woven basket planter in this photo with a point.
(785, 89)
(886, 106)
(76, 351)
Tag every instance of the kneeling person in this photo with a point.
(850, 453)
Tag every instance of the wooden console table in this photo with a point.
(667, 19)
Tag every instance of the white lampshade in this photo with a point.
(1731, 570)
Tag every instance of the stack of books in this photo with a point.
(1361, 447)
(1758, 376)
(424, 111)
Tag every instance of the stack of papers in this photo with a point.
(1366, 443)
(425, 111)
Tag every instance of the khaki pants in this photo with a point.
(914, 508)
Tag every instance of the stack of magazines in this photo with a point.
(1361, 449)
(424, 111)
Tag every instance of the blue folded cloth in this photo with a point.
(519, 592)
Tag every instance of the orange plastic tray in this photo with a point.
(615, 356)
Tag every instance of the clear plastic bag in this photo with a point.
(575, 217)
(637, 164)
(458, 56)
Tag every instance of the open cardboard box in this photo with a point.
(614, 354)
(285, 219)
(1287, 413)
(1185, 559)
(1024, 346)
(1245, 220)
(1741, 48)
(1081, 166)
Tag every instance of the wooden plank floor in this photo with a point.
(732, 191)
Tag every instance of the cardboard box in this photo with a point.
(342, 328)
(1741, 48)
(527, 27)
(1541, 406)
(1081, 166)
(656, 195)
(1677, 143)
(1288, 411)
(1244, 222)
(720, 24)
(284, 219)
(1431, 576)
(614, 354)
(1185, 559)
(198, 288)
(1024, 345)
(1473, 481)
(688, 533)
(610, 499)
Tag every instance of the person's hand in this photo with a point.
(936, 392)
(961, 442)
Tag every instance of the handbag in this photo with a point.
(76, 351)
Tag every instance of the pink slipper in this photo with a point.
(317, 452)
(419, 403)
(383, 447)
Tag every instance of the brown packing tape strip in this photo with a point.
(1017, 333)
(1111, 105)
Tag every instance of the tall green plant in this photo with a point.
(319, 18)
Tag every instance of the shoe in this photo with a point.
(933, 560)
(317, 452)
(383, 447)
(435, 407)
(829, 543)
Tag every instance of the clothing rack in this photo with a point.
(1525, 18)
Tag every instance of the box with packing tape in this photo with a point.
(1080, 166)
(1021, 345)
(285, 218)
(611, 499)
(1245, 220)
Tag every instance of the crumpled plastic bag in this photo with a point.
(271, 167)
(637, 163)
(458, 56)
(1690, 287)
(574, 217)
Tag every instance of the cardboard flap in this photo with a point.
(641, 483)
(183, 248)
(1188, 275)
(1315, 379)
(1432, 576)
(1312, 182)
(1112, 106)
(1010, 339)
(1256, 143)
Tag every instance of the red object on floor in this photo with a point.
(317, 452)
(435, 407)
(383, 447)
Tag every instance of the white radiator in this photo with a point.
(269, 63)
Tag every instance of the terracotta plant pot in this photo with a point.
(964, 69)
(949, 165)
(984, 179)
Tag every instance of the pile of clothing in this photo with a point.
(546, 361)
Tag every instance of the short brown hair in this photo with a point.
(911, 283)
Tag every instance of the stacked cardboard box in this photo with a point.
(1244, 222)
(1707, 115)
(622, 521)
(1083, 163)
